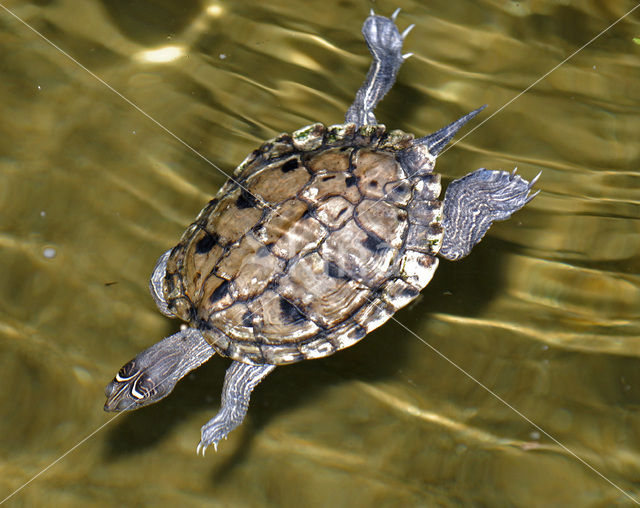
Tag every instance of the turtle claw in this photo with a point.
(529, 186)
(407, 31)
(532, 196)
(395, 14)
(534, 180)
(202, 448)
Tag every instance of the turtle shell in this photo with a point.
(318, 239)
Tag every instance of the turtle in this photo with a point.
(318, 238)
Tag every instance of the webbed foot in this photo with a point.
(474, 202)
(385, 45)
(383, 38)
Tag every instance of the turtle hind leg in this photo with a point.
(474, 202)
(385, 45)
(239, 382)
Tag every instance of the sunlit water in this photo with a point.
(544, 313)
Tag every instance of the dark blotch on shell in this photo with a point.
(246, 200)
(400, 189)
(206, 243)
(351, 180)
(290, 165)
(219, 292)
(359, 332)
(409, 293)
(246, 319)
(334, 271)
(374, 244)
(290, 312)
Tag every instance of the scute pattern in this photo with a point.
(319, 240)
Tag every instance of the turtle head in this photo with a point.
(153, 374)
(139, 383)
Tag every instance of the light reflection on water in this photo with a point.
(544, 313)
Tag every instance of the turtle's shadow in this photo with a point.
(460, 288)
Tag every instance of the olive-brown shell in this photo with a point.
(318, 239)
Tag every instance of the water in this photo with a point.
(544, 312)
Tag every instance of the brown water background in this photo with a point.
(544, 312)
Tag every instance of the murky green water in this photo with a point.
(544, 313)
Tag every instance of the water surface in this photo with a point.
(544, 313)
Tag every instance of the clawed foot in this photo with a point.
(202, 448)
(530, 184)
(239, 382)
(513, 189)
(383, 38)
(476, 201)
(385, 44)
(212, 433)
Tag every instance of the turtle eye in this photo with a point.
(143, 388)
(127, 371)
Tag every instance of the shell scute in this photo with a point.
(251, 266)
(317, 348)
(215, 296)
(274, 322)
(374, 314)
(383, 220)
(360, 256)
(334, 212)
(290, 175)
(369, 136)
(396, 140)
(200, 258)
(276, 225)
(326, 299)
(327, 185)
(417, 269)
(234, 215)
(398, 293)
(277, 147)
(398, 192)
(374, 170)
(332, 160)
(309, 138)
(341, 134)
(303, 236)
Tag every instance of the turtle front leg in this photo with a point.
(474, 202)
(385, 44)
(239, 382)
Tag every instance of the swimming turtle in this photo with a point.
(318, 238)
